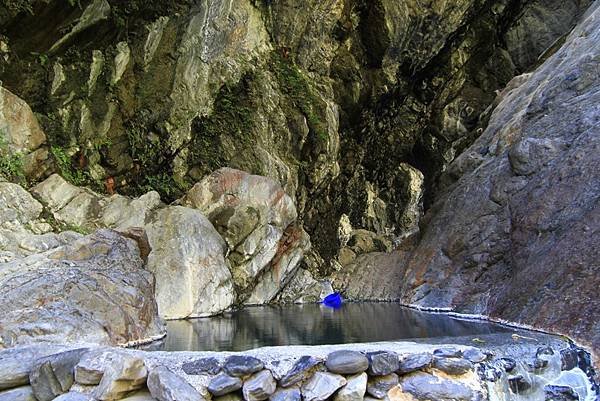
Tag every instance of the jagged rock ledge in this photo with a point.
(544, 368)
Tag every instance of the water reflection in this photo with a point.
(314, 324)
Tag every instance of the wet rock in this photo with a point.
(382, 363)
(424, 386)
(354, 390)
(321, 386)
(93, 290)
(54, 375)
(302, 370)
(208, 366)
(24, 393)
(560, 393)
(519, 384)
(347, 362)
(286, 394)
(165, 385)
(508, 364)
(379, 386)
(259, 386)
(452, 366)
(474, 355)
(537, 365)
(123, 375)
(448, 352)
(568, 358)
(223, 384)
(242, 365)
(544, 351)
(413, 362)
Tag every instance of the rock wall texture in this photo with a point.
(355, 107)
(513, 233)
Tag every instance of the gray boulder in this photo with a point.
(242, 365)
(54, 375)
(452, 366)
(17, 363)
(347, 362)
(123, 375)
(93, 290)
(382, 363)
(259, 386)
(223, 384)
(302, 369)
(354, 390)
(321, 386)
(413, 362)
(165, 385)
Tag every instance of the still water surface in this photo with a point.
(315, 325)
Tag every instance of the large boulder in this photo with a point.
(188, 260)
(22, 135)
(514, 234)
(93, 290)
(252, 214)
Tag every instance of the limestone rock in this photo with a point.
(223, 384)
(321, 386)
(259, 386)
(188, 261)
(252, 213)
(302, 369)
(347, 362)
(93, 290)
(165, 385)
(24, 393)
(354, 390)
(123, 375)
(54, 375)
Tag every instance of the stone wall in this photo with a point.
(386, 371)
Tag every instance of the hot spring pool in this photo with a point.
(254, 327)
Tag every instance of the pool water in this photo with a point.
(312, 324)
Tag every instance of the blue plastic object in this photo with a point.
(333, 300)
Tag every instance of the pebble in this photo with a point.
(223, 384)
(382, 363)
(242, 365)
(415, 362)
